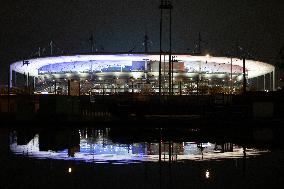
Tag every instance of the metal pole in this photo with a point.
(54, 86)
(34, 83)
(29, 87)
(69, 87)
(231, 83)
(27, 80)
(170, 151)
(180, 91)
(270, 81)
(264, 88)
(10, 77)
(160, 146)
(51, 48)
(170, 73)
(172, 76)
(79, 87)
(15, 80)
(146, 43)
(132, 86)
(8, 86)
(257, 83)
(273, 85)
(244, 76)
(160, 63)
(199, 43)
(170, 54)
(164, 78)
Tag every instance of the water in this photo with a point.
(144, 158)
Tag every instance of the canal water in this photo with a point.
(144, 158)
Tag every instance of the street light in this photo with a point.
(171, 74)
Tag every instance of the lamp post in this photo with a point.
(171, 80)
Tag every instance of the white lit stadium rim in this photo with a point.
(32, 66)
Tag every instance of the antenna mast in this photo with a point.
(146, 41)
(167, 6)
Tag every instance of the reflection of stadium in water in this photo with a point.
(97, 147)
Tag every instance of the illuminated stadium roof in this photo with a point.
(101, 62)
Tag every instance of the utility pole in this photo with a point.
(165, 5)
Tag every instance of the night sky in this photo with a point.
(119, 26)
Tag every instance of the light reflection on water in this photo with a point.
(97, 147)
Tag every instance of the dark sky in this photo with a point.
(119, 25)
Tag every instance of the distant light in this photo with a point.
(69, 170)
(207, 55)
(100, 78)
(207, 174)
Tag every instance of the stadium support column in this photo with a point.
(28, 83)
(55, 87)
(10, 77)
(273, 80)
(27, 79)
(264, 83)
(180, 90)
(244, 76)
(15, 78)
(69, 87)
(257, 83)
(34, 83)
(270, 81)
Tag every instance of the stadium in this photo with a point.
(118, 73)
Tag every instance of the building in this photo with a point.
(139, 73)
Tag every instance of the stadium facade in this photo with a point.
(139, 73)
